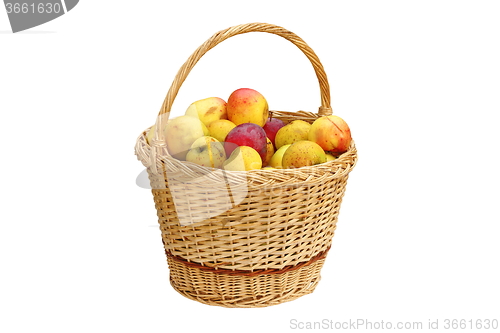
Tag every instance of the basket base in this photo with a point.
(235, 291)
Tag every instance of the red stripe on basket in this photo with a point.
(240, 272)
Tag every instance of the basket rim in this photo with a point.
(271, 178)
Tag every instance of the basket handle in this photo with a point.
(158, 142)
(325, 108)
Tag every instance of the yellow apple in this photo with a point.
(330, 157)
(294, 131)
(277, 157)
(243, 158)
(208, 110)
(181, 132)
(270, 152)
(220, 128)
(151, 134)
(247, 106)
(332, 133)
(207, 151)
(303, 153)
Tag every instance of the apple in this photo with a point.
(247, 134)
(332, 133)
(208, 110)
(330, 157)
(243, 158)
(247, 106)
(270, 152)
(207, 151)
(151, 134)
(220, 128)
(271, 127)
(303, 153)
(277, 157)
(294, 131)
(181, 132)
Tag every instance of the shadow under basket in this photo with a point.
(245, 239)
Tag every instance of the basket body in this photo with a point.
(264, 249)
(245, 239)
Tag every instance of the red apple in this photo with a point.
(332, 133)
(247, 106)
(247, 134)
(271, 127)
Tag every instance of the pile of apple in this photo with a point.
(240, 136)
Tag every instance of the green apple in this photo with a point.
(207, 151)
(277, 157)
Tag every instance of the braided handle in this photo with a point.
(222, 35)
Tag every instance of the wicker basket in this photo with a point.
(245, 239)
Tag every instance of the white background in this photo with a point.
(417, 81)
